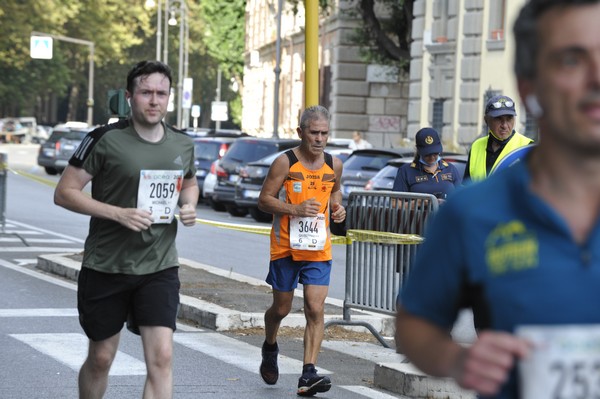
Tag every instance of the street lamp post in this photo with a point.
(169, 19)
(151, 4)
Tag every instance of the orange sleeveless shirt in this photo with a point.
(302, 184)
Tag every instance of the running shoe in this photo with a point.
(311, 383)
(269, 371)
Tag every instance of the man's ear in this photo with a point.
(529, 97)
(299, 131)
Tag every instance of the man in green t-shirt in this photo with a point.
(140, 170)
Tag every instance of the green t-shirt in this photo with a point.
(114, 155)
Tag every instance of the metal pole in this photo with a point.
(158, 29)
(180, 65)
(311, 57)
(186, 111)
(218, 123)
(90, 101)
(166, 31)
(277, 73)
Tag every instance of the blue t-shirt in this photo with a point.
(500, 249)
(413, 178)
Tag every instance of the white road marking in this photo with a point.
(39, 249)
(370, 393)
(44, 277)
(38, 240)
(364, 350)
(23, 262)
(236, 353)
(43, 312)
(53, 233)
(71, 350)
(22, 232)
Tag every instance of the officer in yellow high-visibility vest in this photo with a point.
(487, 151)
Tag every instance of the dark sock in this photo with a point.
(307, 368)
(270, 347)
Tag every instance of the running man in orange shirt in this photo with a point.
(301, 241)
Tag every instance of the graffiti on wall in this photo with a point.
(384, 123)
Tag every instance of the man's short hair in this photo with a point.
(145, 68)
(312, 113)
(526, 34)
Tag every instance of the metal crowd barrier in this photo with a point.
(384, 230)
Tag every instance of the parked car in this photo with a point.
(252, 177)
(55, 153)
(208, 188)
(384, 179)
(362, 165)
(242, 151)
(207, 150)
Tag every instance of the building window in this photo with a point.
(440, 21)
(497, 19)
(325, 86)
(438, 115)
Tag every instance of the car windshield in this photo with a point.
(207, 151)
(367, 161)
(250, 150)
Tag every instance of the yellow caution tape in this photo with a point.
(382, 237)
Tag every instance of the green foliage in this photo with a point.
(123, 33)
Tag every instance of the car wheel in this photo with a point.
(51, 171)
(236, 211)
(259, 215)
(215, 206)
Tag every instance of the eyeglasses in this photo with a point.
(500, 104)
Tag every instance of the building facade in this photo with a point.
(462, 54)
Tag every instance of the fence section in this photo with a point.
(385, 229)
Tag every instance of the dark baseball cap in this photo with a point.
(500, 105)
(428, 141)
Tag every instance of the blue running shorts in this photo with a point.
(285, 273)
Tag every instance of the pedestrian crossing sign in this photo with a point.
(41, 47)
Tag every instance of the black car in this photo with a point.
(242, 151)
(362, 165)
(206, 151)
(55, 153)
(251, 179)
(384, 179)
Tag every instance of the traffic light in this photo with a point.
(117, 104)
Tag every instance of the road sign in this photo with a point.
(41, 47)
(186, 99)
(218, 111)
(195, 111)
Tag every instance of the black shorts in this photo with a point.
(105, 300)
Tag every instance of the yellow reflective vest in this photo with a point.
(477, 170)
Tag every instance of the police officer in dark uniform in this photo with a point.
(428, 173)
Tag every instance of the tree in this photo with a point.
(224, 33)
(384, 38)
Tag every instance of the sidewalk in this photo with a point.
(224, 301)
